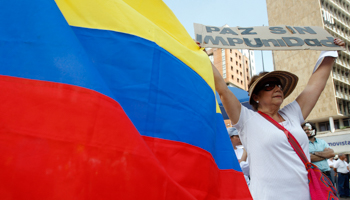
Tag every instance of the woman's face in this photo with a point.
(270, 92)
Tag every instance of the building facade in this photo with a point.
(332, 110)
(233, 65)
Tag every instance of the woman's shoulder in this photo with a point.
(246, 117)
(293, 111)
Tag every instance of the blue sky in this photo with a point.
(220, 12)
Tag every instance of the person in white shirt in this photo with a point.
(241, 154)
(342, 170)
(276, 171)
(331, 162)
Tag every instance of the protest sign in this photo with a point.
(265, 37)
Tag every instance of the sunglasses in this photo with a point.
(271, 85)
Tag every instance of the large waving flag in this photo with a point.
(108, 99)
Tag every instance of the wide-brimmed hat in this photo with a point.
(288, 80)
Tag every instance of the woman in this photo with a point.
(275, 169)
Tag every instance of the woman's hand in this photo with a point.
(199, 44)
(339, 42)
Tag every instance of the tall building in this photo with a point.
(251, 60)
(234, 65)
(332, 110)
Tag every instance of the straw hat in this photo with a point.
(288, 80)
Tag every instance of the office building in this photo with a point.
(332, 111)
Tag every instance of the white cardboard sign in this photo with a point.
(265, 37)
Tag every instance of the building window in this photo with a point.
(241, 82)
(237, 80)
(346, 122)
(237, 71)
(336, 124)
(239, 57)
(230, 50)
(232, 77)
(223, 57)
(236, 54)
(240, 65)
(340, 108)
(231, 59)
(247, 78)
(240, 73)
(324, 126)
(247, 69)
(237, 63)
(231, 68)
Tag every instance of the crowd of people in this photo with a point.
(276, 170)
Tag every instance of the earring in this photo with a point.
(257, 101)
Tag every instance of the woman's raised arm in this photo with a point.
(229, 101)
(308, 98)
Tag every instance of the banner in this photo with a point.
(340, 143)
(265, 37)
(108, 99)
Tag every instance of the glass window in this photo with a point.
(324, 126)
(336, 124)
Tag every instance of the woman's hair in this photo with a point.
(252, 80)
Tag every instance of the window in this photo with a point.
(230, 50)
(242, 82)
(336, 124)
(247, 69)
(240, 65)
(240, 73)
(237, 71)
(324, 126)
(236, 54)
(346, 122)
(231, 59)
(237, 80)
(239, 57)
(231, 68)
(232, 77)
(237, 63)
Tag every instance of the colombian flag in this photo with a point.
(108, 99)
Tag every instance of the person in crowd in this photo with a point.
(241, 153)
(319, 149)
(276, 171)
(342, 170)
